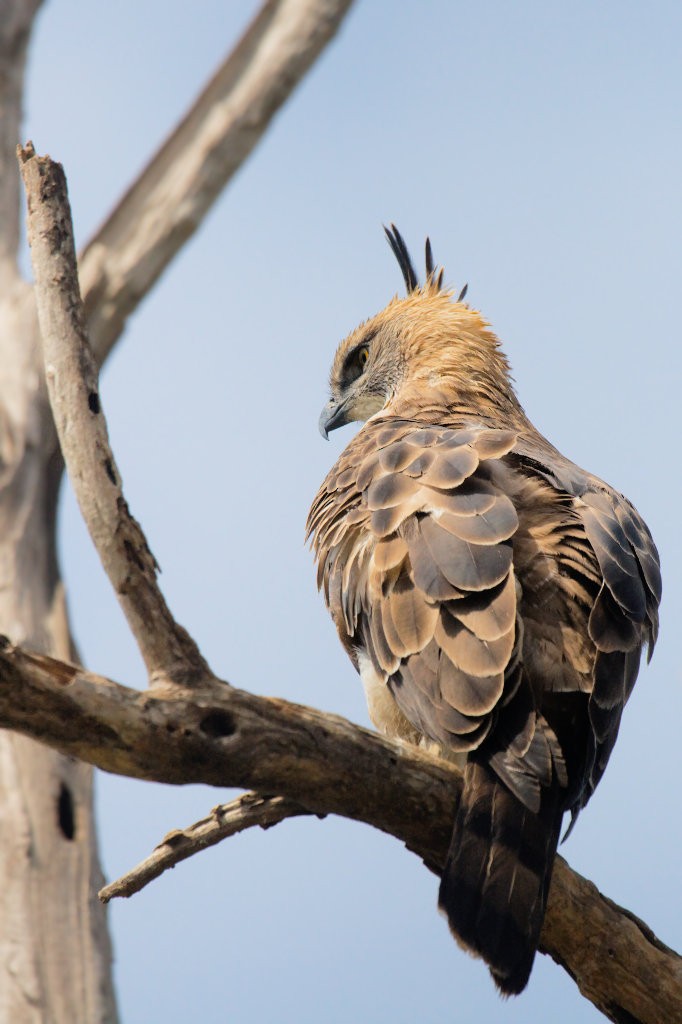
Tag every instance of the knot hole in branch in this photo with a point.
(66, 817)
(217, 724)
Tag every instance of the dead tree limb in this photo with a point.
(55, 954)
(54, 947)
(225, 820)
(171, 656)
(167, 203)
(230, 738)
(16, 19)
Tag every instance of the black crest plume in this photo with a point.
(397, 244)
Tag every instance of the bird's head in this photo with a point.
(426, 351)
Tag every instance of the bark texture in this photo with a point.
(225, 820)
(226, 737)
(54, 946)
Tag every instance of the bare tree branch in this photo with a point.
(16, 20)
(225, 820)
(173, 194)
(614, 958)
(55, 952)
(226, 737)
(170, 654)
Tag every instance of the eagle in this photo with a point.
(494, 597)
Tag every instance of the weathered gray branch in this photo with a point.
(16, 20)
(173, 194)
(55, 954)
(228, 738)
(225, 820)
(48, 903)
(72, 382)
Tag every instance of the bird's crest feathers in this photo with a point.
(428, 339)
(434, 274)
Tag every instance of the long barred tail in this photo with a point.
(496, 879)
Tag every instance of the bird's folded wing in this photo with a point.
(415, 557)
(624, 615)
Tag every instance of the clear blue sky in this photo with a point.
(540, 146)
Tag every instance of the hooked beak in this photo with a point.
(332, 416)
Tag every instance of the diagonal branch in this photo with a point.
(226, 737)
(225, 820)
(167, 203)
(169, 652)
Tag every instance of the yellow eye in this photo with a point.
(354, 365)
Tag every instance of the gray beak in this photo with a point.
(332, 416)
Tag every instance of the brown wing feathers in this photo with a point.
(434, 604)
(415, 542)
(612, 563)
(499, 593)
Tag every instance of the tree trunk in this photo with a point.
(55, 955)
(54, 949)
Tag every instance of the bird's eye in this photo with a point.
(355, 363)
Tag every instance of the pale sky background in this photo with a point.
(540, 146)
